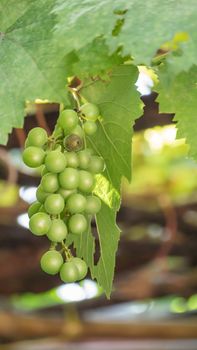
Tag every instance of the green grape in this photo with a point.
(51, 262)
(81, 267)
(90, 151)
(73, 143)
(72, 159)
(66, 193)
(93, 205)
(69, 179)
(34, 208)
(39, 224)
(57, 231)
(90, 127)
(86, 181)
(54, 204)
(55, 162)
(58, 131)
(69, 272)
(68, 119)
(76, 203)
(50, 183)
(37, 137)
(84, 159)
(33, 156)
(90, 111)
(77, 224)
(44, 171)
(97, 165)
(78, 131)
(42, 209)
(41, 195)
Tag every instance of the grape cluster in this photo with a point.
(65, 201)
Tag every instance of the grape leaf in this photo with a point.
(30, 67)
(79, 23)
(147, 27)
(118, 102)
(108, 236)
(142, 31)
(85, 247)
(93, 59)
(178, 95)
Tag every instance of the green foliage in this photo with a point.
(108, 236)
(118, 102)
(136, 28)
(30, 67)
(178, 95)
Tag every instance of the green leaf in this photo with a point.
(118, 102)
(92, 60)
(80, 22)
(178, 95)
(142, 32)
(31, 63)
(85, 247)
(148, 26)
(109, 234)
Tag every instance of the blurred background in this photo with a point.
(154, 302)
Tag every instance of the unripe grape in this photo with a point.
(57, 231)
(55, 162)
(58, 131)
(42, 209)
(76, 203)
(37, 137)
(93, 205)
(96, 165)
(78, 131)
(90, 127)
(44, 171)
(68, 119)
(81, 267)
(69, 272)
(72, 159)
(33, 156)
(77, 224)
(90, 151)
(39, 224)
(69, 179)
(86, 181)
(66, 193)
(51, 262)
(84, 159)
(34, 208)
(50, 182)
(54, 204)
(41, 195)
(90, 111)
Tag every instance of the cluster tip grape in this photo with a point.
(65, 201)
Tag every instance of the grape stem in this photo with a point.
(75, 97)
(53, 245)
(66, 251)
